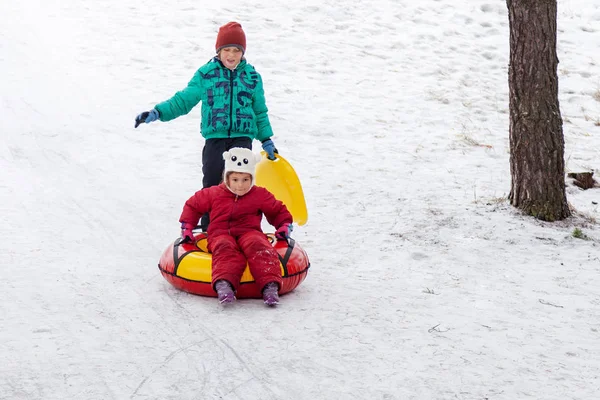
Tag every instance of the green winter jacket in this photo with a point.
(233, 102)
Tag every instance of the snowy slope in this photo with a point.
(425, 283)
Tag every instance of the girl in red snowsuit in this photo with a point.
(235, 236)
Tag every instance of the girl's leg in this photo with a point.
(263, 259)
(228, 261)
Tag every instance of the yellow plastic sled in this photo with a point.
(279, 178)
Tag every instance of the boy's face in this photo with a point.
(230, 57)
(239, 182)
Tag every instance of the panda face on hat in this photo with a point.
(241, 160)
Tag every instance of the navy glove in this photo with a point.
(269, 147)
(186, 233)
(284, 232)
(146, 117)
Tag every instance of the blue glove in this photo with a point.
(269, 147)
(147, 117)
(284, 232)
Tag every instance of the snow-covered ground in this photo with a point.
(425, 283)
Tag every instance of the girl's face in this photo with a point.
(239, 183)
(230, 57)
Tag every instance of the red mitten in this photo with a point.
(284, 232)
(186, 232)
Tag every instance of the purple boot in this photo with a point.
(270, 294)
(224, 292)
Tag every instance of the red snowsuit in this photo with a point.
(235, 235)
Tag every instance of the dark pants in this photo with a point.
(213, 163)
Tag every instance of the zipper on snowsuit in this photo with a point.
(230, 102)
(231, 214)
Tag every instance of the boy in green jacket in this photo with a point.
(234, 110)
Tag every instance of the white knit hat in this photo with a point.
(240, 159)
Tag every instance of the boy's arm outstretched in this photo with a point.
(180, 104)
(183, 101)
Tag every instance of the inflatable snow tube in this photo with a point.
(187, 266)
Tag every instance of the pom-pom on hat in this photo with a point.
(239, 159)
(231, 34)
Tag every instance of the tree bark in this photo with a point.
(536, 137)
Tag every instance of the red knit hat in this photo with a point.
(231, 34)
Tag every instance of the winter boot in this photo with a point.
(224, 292)
(270, 294)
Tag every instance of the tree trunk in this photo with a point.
(536, 138)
